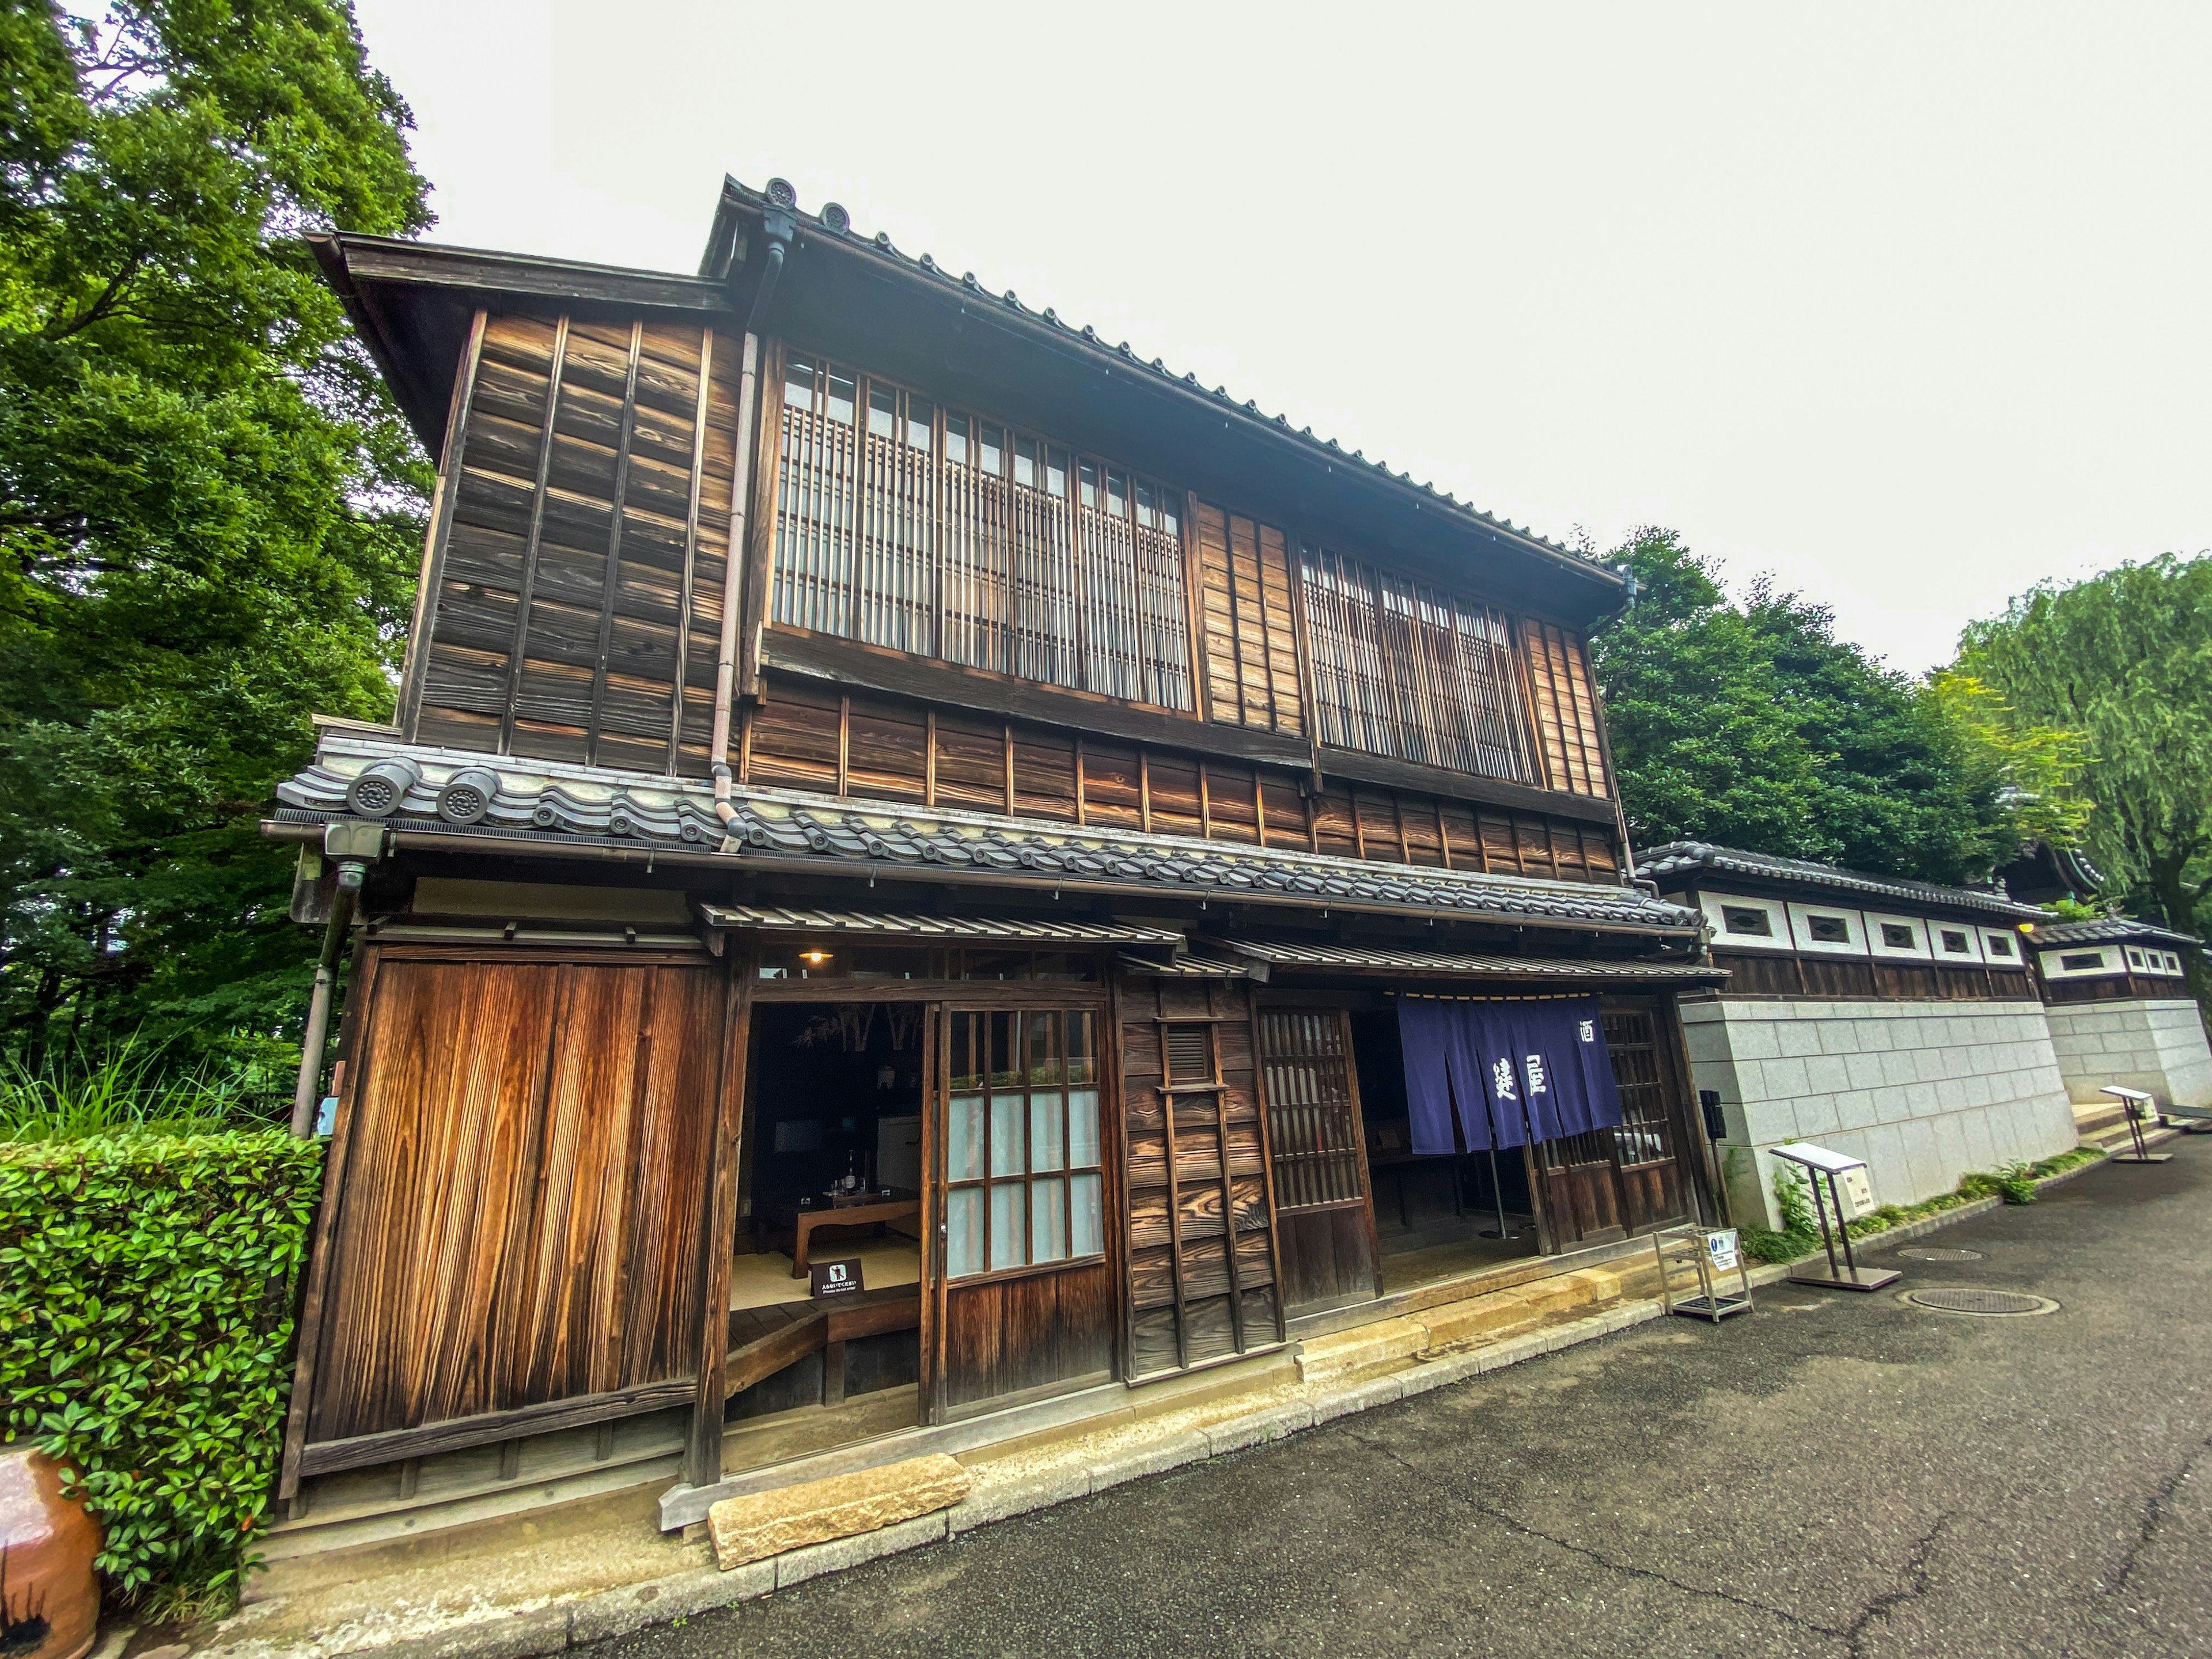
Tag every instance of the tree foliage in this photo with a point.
(209, 509)
(2125, 659)
(1754, 725)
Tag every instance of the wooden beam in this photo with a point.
(492, 1427)
(702, 1456)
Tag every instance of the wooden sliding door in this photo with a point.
(1020, 1277)
(1324, 1211)
(519, 1186)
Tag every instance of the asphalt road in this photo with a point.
(1833, 1474)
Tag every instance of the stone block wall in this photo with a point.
(1924, 1092)
(2157, 1046)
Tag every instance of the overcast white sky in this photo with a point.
(1910, 306)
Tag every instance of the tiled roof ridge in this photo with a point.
(1673, 856)
(2099, 929)
(896, 835)
(833, 220)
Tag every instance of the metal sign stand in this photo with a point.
(1674, 1245)
(1820, 1165)
(2140, 1106)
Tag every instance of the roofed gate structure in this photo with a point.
(886, 780)
(1893, 1020)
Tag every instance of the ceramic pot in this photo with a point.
(49, 1596)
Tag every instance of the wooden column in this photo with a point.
(702, 1457)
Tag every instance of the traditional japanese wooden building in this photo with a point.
(885, 778)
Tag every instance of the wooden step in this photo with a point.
(764, 1340)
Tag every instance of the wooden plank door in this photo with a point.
(1317, 1145)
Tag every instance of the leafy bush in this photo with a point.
(145, 1326)
(1799, 1236)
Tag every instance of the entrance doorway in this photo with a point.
(1435, 1216)
(833, 1185)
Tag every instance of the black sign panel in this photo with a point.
(834, 1278)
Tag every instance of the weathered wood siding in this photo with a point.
(1251, 638)
(1201, 1210)
(808, 736)
(526, 1173)
(577, 559)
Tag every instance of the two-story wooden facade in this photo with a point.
(855, 725)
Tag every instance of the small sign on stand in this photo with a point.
(1849, 1194)
(1711, 1252)
(2141, 1108)
(834, 1278)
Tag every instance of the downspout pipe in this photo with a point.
(779, 224)
(307, 1093)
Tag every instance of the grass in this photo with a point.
(129, 1085)
(1799, 1234)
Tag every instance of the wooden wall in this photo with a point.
(1200, 1217)
(808, 736)
(580, 545)
(1039, 1331)
(1250, 634)
(520, 1183)
(1783, 974)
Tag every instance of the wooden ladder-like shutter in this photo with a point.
(1203, 1264)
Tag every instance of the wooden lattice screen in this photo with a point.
(1412, 672)
(1312, 1112)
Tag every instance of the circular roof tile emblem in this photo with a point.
(1986, 1303)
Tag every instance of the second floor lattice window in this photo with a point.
(1411, 672)
(902, 523)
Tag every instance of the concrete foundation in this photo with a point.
(2156, 1046)
(1925, 1091)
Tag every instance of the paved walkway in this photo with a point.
(1831, 1476)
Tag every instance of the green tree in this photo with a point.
(209, 507)
(1754, 725)
(2125, 659)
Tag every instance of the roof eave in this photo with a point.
(1043, 329)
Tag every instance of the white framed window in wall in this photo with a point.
(2087, 963)
(1826, 930)
(1898, 939)
(2001, 949)
(1746, 924)
(1956, 942)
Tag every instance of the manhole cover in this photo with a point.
(1933, 1254)
(1981, 1302)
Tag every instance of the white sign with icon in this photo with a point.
(1721, 1248)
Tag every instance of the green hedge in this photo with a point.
(145, 1333)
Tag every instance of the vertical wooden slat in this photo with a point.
(444, 498)
(613, 581)
(526, 594)
(690, 546)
